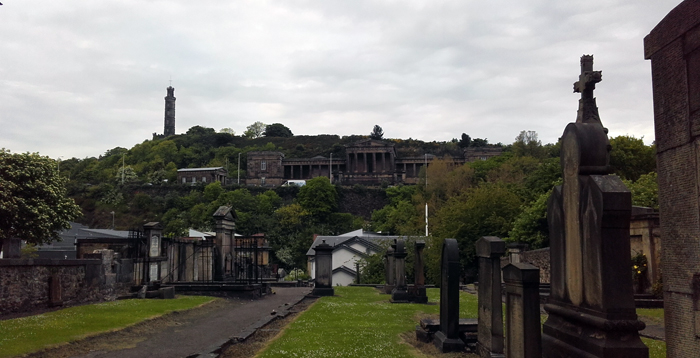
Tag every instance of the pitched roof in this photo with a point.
(371, 240)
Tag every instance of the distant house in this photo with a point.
(202, 175)
(348, 249)
(66, 248)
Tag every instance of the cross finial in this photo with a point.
(588, 78)
(171, 81)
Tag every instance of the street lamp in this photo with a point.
(239, 168)
(112, 220)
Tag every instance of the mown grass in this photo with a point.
(29, 334)
(357, 322)
(360, 322)
(653, 315)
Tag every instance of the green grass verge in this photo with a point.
(360, 322)
(653, 315)
(357, 322)
(29, 334)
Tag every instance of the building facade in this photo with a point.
(367, 162)
(202, 175)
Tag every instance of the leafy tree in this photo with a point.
(254, 130)
(377, 133)
(465, 141)
(227, 131)
(33, 202)
(645, 191)
(319, 197)
(277, 130)
(531, 227)
(478, 142)
(527, 144)
(631, 158)
(199, 130)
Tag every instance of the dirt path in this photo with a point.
(186, 334)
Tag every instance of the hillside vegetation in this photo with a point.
(504, 196)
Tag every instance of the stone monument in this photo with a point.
(489, 250)
(400, 292)
(418, 292)
(390, 270)
(447, 338)
(323, 285)
(523, 329)
(673, 47)
(591, 306)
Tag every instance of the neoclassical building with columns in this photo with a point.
(367, 162)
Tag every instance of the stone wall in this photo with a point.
(26, 284)
(538, 258)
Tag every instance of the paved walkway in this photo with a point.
(202, 333)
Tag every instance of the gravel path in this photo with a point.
(193, 333)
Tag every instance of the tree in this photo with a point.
(33, 202)
(377, 133)
(319, 197)
(254, 130)
(645, 191)
(465, 141)
(278, 130)
(199, 130)
(227, 131)
(630, 158)
(478, 142)
(527, 144)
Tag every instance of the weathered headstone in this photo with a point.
(400, 293)
(390, 270)
(673, 47)
(523, 329)
(447, 338)
(489, 250)
(153, 231)
(418, 292)
(591, 305)
(225, 226)
(323, 285)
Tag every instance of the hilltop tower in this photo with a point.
(169, 113)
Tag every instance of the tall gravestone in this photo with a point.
(323, 285)
(419, 293)
(400, 292)
(489, 250)
(447, 338)
(390, 270)
(225, 226)
(523, 328)
(591, 305)
(673, 47)
(153, 231)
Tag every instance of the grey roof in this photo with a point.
(80, 231)
(199, 169)
(370, 239)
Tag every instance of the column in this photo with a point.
(489, 250)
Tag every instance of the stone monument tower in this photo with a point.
(169, 113)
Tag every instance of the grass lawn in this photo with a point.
(360, 322)
(29, 334)
(357, 322)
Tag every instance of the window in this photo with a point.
(262, 181)
(204, 179)
(194, 179)
(184, 180)
(483, 158)
(263, 165)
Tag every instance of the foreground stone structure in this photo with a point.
(400, 293)
(323, 285)
(523, 329)
(447, 338)
(489, 250)
(591, 306)
(673, 47)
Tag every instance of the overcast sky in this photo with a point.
(80, 77)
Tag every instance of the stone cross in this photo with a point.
(588, 111)
(591, 306)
